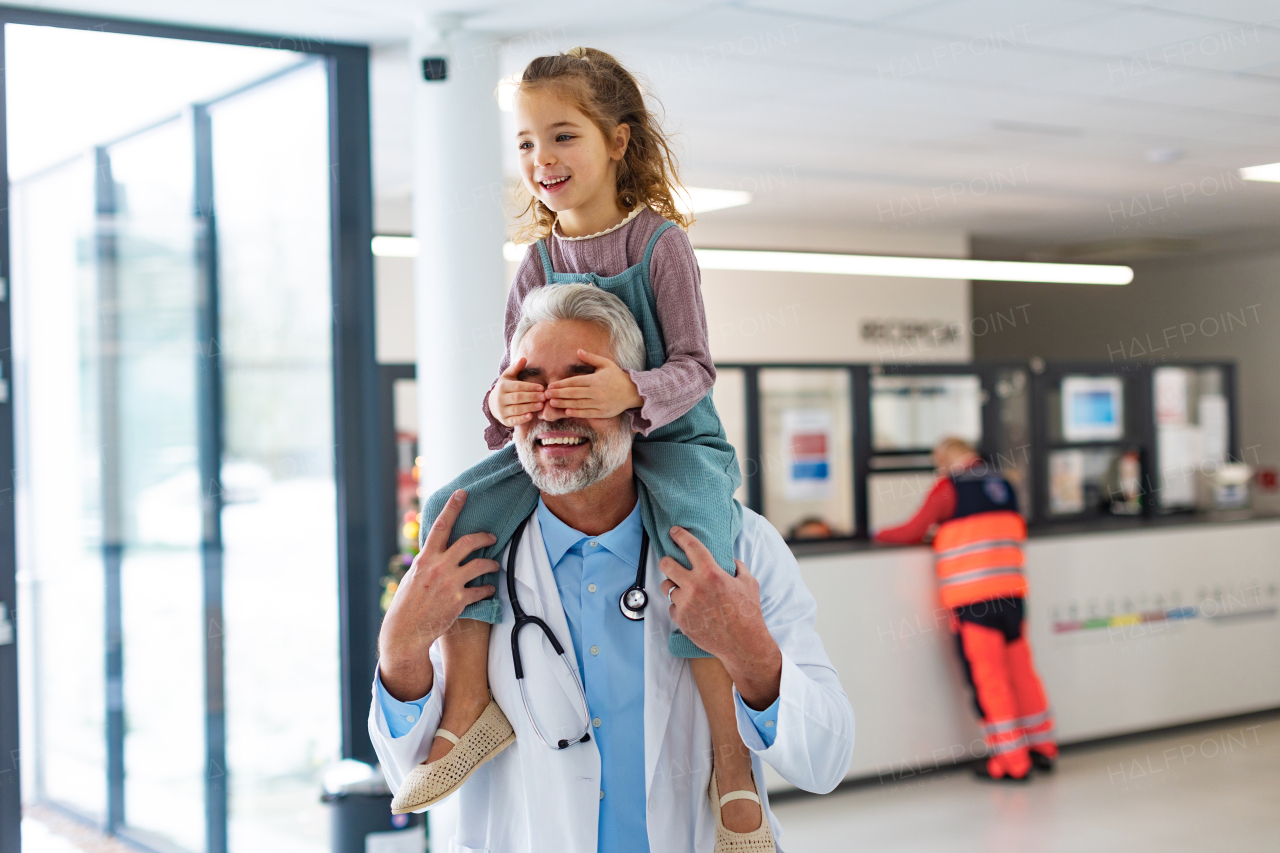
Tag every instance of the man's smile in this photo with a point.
(559, 444)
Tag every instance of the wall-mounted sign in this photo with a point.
(806, 442)
(935, 332)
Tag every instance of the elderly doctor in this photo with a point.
(638, 780)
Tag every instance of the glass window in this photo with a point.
(1090, 480)
(162, 588)
(914, 412)
(730, 396)
(1010, 447)
(404, 403)
(894, 496)
(1192, 432)
(807, 447)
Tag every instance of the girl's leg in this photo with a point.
(466, 685)
(732, 759)
(499, 497)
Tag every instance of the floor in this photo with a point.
(1204, 788)
(1198, 789)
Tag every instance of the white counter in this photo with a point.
(1215, 653)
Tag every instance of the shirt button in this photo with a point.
(596, 722)
(594, 544)
(591, 587)
(602, 794)
(595, 650)
(768, 724)
(409, 717)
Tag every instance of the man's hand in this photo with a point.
(427, 603)
(513, 401)
(606, 393)
(722, 615)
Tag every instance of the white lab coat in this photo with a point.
(532, 798)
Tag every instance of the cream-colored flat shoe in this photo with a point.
(429, 783)
(759, 840)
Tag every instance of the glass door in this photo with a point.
(177, 443)
(279, 533)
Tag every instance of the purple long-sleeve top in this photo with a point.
(687, 375)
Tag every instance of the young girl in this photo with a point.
(601, 185)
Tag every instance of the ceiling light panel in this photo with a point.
(904, 267)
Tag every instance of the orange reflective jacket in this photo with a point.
(979, 557)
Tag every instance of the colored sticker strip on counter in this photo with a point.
(1169, 615)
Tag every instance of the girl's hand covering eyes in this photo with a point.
(512, 401)
(606, 393)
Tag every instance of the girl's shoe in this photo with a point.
(429, 783)
(759, 840)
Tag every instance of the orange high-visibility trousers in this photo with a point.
(984, 652)
(1008, 694)
(1035, 719)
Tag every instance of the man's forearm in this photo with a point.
(756, 670)
(407, 680)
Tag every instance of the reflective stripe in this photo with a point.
(1009, 746)
(1041, 737)
(974, 547)
(997, 728)
(979, 574)
(1036, 719)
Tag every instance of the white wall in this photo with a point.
(393, 295)
(758, 316)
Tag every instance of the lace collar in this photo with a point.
(630, 216)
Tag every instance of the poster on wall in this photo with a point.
(1092, 408)
(1215, 424)
(806, 442)
(1066, 482)
(1171, 396)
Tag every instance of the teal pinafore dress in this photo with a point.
(687, 471)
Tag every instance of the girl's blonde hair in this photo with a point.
(609, 95)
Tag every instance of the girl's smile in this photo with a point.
(554, 184)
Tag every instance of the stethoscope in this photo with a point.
(632, 603)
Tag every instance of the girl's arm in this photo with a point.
(688, 373)
(528, 276)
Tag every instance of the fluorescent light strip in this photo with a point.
(705, 199)
(879, 265)
(386, 246)
(1269, 172)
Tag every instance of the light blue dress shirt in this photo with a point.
(591, 574)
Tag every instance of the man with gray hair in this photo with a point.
(606, 718)
(577, 303)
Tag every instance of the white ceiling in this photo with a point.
(1028, 124)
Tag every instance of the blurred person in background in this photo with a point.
(979, 558)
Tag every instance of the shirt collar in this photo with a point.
(622, 541)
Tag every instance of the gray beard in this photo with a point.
(608, 452)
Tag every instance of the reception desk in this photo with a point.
(1139, 627)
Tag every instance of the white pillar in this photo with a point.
(459, 277)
